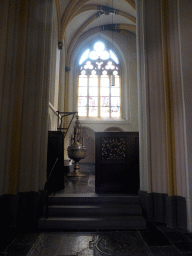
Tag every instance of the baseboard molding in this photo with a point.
(159, 207)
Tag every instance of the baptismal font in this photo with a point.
(76, 151)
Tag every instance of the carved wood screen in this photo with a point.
(117, 162)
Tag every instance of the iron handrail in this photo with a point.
(64, 114)
(46, 188)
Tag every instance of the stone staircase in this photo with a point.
(93, 211)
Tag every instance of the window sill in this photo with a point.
(93, 120)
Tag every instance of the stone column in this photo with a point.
(161, 113)
(33, 156)
(153, 169)
(24, 89)
(185, 104)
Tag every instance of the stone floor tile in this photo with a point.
(154, 238)
(176, 237)
(188, 235)
(184, 246)
(164, 228)
(18, 250)
(4, 244)
(155, 251)
(169, 251)
(73, 244)
(112, 243)
(26, 238)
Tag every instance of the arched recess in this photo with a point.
(125, 49)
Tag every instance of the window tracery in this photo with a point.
(99, 83)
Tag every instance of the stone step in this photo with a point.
(91, 199)
(93, 210)
(107, 222)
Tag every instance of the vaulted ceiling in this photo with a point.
(76, 17)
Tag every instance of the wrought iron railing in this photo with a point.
(46, 187)
(61, 116)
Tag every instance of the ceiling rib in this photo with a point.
(80, 30)
(132, 3)
(74, 6)
(94, 7)
(70, 11)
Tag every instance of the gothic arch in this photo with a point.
(83, 43)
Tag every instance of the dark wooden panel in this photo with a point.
(55, 150)
(117, 162)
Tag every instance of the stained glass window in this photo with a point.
(99, 92)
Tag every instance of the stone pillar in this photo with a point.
(161, 113)
(24, 89)
(35, 99)
(151, 98)
(185, 44)
(144, 129)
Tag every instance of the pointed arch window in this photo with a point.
(99, 83)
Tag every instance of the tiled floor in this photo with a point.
(157, 239)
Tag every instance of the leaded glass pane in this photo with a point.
(82, 81)
(115, 101)
(83, 91)
(110, 65)
(115, 91)
(95, 85)
(83, 73)
(104, 81)
(93, 101)
(82, 111)
(99, 46)
(93, 55)
(93, 111)
(84, 56)
(93, 81)
(115, 73)
(88, 65)
(105, 55)
(104, 102)
(93, 72)
(82, 101)
(104, 73)
(115, 111)
(93, 91)
(104, 91)
(114, 57)
(104, 111)
(117, 84)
